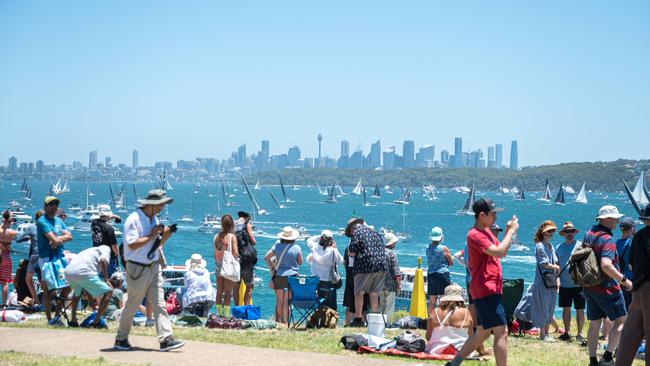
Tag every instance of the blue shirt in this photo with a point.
(288, 266)
(46, 225)
(436, 260)
(563, 252)
(624, 256)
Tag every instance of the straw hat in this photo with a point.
(196, 260)
(548, 227)
(568, 226)
(27, 302)
(351, 224)
(288, 233)
(453, 293)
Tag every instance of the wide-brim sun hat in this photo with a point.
(104, 210)
(288, 233)
(351, 224)
(549, 227)
(453, 293)
(391, 239)
(436, 234)
(568, 226)
(326, 233)
(155, 197)
(196, 260)
(609, 212)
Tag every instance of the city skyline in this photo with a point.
(182, 80)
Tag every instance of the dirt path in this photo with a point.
(86, 344)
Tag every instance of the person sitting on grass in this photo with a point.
(116, 303)
(83, 274)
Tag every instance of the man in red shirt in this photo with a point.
(485, 253)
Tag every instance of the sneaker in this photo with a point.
(73, 324)
(357, 323)
(170, 343)
(149, 323)
(547, 338)
(581, 340)
(56, 322)
(564, 337)
(122, 345)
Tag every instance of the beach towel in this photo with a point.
(259, 324)
(444, 356)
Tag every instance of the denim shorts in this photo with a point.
(437, 282)
(600, 306)
(490, 312)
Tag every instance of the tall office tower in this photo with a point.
(444, 157)
(92, 160)
(241, 155)
(135, 163)
(345, 148)
(499, 156)
(491, 163)
(374, 158)
(408, 151)
(13, 164)
(294, 156)
(108, 161)
(458, 153)
(514, 156)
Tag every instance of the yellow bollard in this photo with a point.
(242, 292)
(418, 296)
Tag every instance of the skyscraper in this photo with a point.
(426, 156)
(344, 159)
(241, 155)
(458, 152)
(408, 150)
(92, 160)
(491, 162)
(265, 147)
(135, 159)
(514, 156)
(13, 164)
(108, 161)
(345, 148)
(374, 158)
(499, 156)
(444, 157)
(294, 156)
(389, 158)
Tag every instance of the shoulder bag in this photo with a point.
(548, 276)
(335, 276)
(230, 268)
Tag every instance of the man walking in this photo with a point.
(143, 238)
(605, 300)
(628, 228)
(367, 248)
(486, 286)
(637, 324)
(570, 292)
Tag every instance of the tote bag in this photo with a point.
(230, 268)
(54, 273)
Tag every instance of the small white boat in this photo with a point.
(185, 219)
(210, 224)
(87, 216)
(403, 298)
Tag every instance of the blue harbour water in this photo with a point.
(307, 208)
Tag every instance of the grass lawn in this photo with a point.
(521, 350)
(11, 358)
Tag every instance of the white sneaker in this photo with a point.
(547, 338)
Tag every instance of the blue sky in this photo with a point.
(178, 80)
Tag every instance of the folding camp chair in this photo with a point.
(303, 300)
(513, 290)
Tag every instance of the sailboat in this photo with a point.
(358, 188)
(294, 187)
(27, 195)
(65, 188)
(284, 191)
(403, 236)
(582, 195)
(322, 192)
(135, 192)
(24, 187)
(519, 194)
(257, 186)
(388, 189)
(208, 191)
(429, 192)
(258, 209)
(632, 198)
(547, 193)
(275, 199)
(640, 193)
(332, 195)
(365, 198)
(405, 199)
(467, 207)
(559, 197)
(225, 196)
(339, 191)
(376, 193)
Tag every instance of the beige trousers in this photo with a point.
(145, 282)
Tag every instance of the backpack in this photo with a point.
(247, 252)
(584, 266)
(323, 317)
(352, 342)
(410, 342)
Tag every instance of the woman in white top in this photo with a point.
(323, 258)
(224, 241)
(451, 323)
(199, 294)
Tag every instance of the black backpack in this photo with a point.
(410, 342)
(247, 251)
(352, 342)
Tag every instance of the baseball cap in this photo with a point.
(627, 223)
(485, 205)
(436, 234)
(50, 199)
(609, 212)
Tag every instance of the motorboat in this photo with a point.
(210, 224)
(185, 219)
(87, 216)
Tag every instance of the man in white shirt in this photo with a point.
(144, 236)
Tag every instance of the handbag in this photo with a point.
(54, 273)
(275, 264)
(549, 277)
(335, 276)
(230, 268)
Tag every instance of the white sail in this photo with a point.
(637, 193)
(257, 186)
(357, 189)
(582, 195)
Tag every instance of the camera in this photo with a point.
(172, 228)
(117, 219)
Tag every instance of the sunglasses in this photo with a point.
(53, 204)
(569, 231)
(549, 232)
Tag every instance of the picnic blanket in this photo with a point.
(447, 354)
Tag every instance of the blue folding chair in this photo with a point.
(304, 299)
